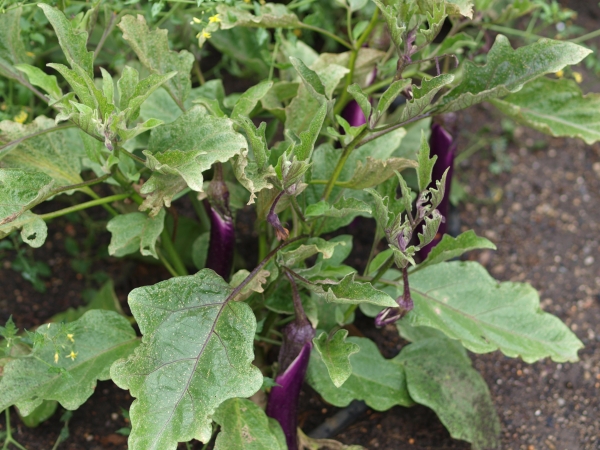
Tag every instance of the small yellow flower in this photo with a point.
(56, 358)
(214, 19)
(21, 117)
(72, 355)
(560, 73)
(577, 77)
(70, 337)
(247, 1)
(206, 35)
(262, 2)
(30, 54)
(196, 20)
(297, 32)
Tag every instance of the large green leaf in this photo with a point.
(335, 353)
(245, 426)
(378, 381)
(55, 153)
(349, 291)
(152, 49)
(191, 145)
(72, 41)
(555, 107)
(507, 70)
(311, 247)
(12, 50)
(135, 232)
(66, 361)
(439, 375)
(466, 303)
(196, 353)
(450, 247)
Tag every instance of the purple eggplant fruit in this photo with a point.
(222, 229)
(294, 356)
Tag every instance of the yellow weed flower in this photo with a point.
(577, 77)
(21, 117)
(56, 358)
(72, 355)
(196, 20)
(214, 19)
(206, 35)
(70, 337)
(560, 73)
(30, 54)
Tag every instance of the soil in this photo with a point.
(544, 216)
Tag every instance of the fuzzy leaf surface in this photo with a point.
(272, 15)
(440, 376)
(450, 247)
(245, 426)
(378, 381)
(335, 353)
(12, 50)
(196, 352)
(466, 303)
(98, 339)
(508, 70)
(135, 232)
(152, 48)
(555, 107)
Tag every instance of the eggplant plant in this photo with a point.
(342, 120)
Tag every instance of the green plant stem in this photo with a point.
(79, 207)
(327, 33)
(167, 244)
(166, 263)
(340, 164)
(168, 14)
(107, 30)
(506, 30)
(384, 130)
(9, 439)
(586, 37)
(343, 100)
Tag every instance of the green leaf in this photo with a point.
(335, 353)
(72, 41)
(466, 303)
(33, 229)
(308, 138)
(40, 414)
(508, 70)
(152, 49)
(19, 190)
(311, 247)
(309, 77)
(361, 98)
(375, 171)
(272, 15)
(450, 247)
(191, 145)
(160, 189)
(342, 208)
(439, 375)
(135, 232)
(245, 426)
(555, 107)
(425, 164)
(255, 285)
(139, 93)
(39, 78)
(196, 352)
(96, 340)
(348, 291)
(389, 96)
(12, 50)
(56, 153)
(424, 96)
(378, 381)
(248, 173)
(460, 7)
(249, 99)
(82, 85)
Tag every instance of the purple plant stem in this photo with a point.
(443, 145)
(283, 399)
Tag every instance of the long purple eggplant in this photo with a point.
(442, 144)
(222, 229)
(352, 111)
(294, 356)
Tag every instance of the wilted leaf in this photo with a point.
(195, 354)
(272, 15)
